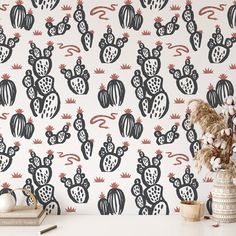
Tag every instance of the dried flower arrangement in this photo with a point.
(219, 135)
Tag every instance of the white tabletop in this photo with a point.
(83, 225)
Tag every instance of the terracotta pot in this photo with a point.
(192, 211)
(224, 198)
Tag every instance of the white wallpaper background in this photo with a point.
(49, 177)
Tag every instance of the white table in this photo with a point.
(83, 225)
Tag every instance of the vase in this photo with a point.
(224, 197)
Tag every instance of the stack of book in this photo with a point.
(23, 215)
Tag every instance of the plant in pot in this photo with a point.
(217, 153)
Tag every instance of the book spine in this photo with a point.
(23, 222)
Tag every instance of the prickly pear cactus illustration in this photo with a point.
(77, 81)
(58, 138)
(6, 154)
(168, 137)
(191, 26)
(79, 125)
(191, 134)
(167, 29)
(60, 28)
(186, 189)
(148, 193)
(41, 172)
(153, 100)
(77, 189)
(186, 81)
(87, 36)
(110, 155)
(45, 101)
(154, 4)
(111, 50)
(7, 45)
(219, 48)
(45, 4)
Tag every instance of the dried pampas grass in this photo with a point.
(206, 117)
(211, 122)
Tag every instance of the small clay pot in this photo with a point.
(192, 210)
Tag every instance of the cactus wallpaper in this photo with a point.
(94, 115)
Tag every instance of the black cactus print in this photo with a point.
(168, 137)
(41, 172)
(212, 96)
(191, 134)
(138, 20)
(154, 100)
(126, 15)
(87, 36)
(154, 4)
(58, 138)
(150, 200)
(77, 82)
(187, 80)
(231, 15)
(41, 62)
(116, 200)
(45, 101)
(78, 189)
(17, 15)
(126, 124)
(138, 129)
(149, 60)
(114, 94)
(219, 48)
(29, 129)
(29, 20)
(224, 88)
(60, 28)
(45, 4)
(110, 155)
(7, 91)
(191, 26)
(103, 206)
(103, 97)
(186, 189)
(167, 29)
(6, 154)
(128, 18)
(111, 50)
(6, 46)
(79, 125)
(128, 127)
(17, 123)
(114, 203)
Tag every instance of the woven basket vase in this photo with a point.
(224, 198)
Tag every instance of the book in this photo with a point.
(23, 216)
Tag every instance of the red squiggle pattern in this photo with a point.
(98, 118)
(3, 7)
(210, 9)
(179, 157)
(100, 9)
(3, 116)
(70, 157)
(70, 49)
(178, 49)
